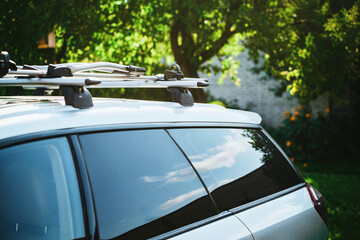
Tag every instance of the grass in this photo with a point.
(340, 184)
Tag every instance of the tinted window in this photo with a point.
(39, 192)
(237, 165)
(142, 184)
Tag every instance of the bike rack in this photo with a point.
(74, 78)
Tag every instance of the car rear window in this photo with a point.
(142, 184)
(237, 165)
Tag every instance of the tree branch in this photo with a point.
(174, 33)
(218, 44)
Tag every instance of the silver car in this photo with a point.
(84, 168)
(127, 169)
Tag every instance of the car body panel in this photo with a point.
(229, 228)
(291, 216)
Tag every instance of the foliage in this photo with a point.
(312, 46)
(155, 34)
(233, 104)
(309, 138)
(146, 33)
(24, 23)
(134, 93)
(130, 33)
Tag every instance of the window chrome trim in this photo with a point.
(192, 226)
(267, 198)
(92, 230)
(81, 185)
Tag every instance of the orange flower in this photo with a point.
(296, 113)
(288, 143)
(305, 164)
(292, 118)
(307, 115)
(287, 114)
(292, 159)
(327, 110)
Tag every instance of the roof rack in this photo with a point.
(74, 78)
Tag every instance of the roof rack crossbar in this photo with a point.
(101, 83)
(72, 78)
(74, 81)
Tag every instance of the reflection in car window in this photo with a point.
(237, 165)
(39, 192)
(143, 185)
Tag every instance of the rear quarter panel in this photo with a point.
(291, 216)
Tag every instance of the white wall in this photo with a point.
(257, 94)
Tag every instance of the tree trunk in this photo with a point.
(190, 70)
(354, 115)
(198, 93)
(183, 58)
(62, 53)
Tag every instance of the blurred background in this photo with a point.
(295, 62)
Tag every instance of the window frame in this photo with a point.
(86, 193)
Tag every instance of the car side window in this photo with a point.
(143, 185)
(237, 165)
(40, 196)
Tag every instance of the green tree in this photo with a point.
(154, 34)
(312, 46)
(146, 33)
(24, 23)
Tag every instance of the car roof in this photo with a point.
(33, 114)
